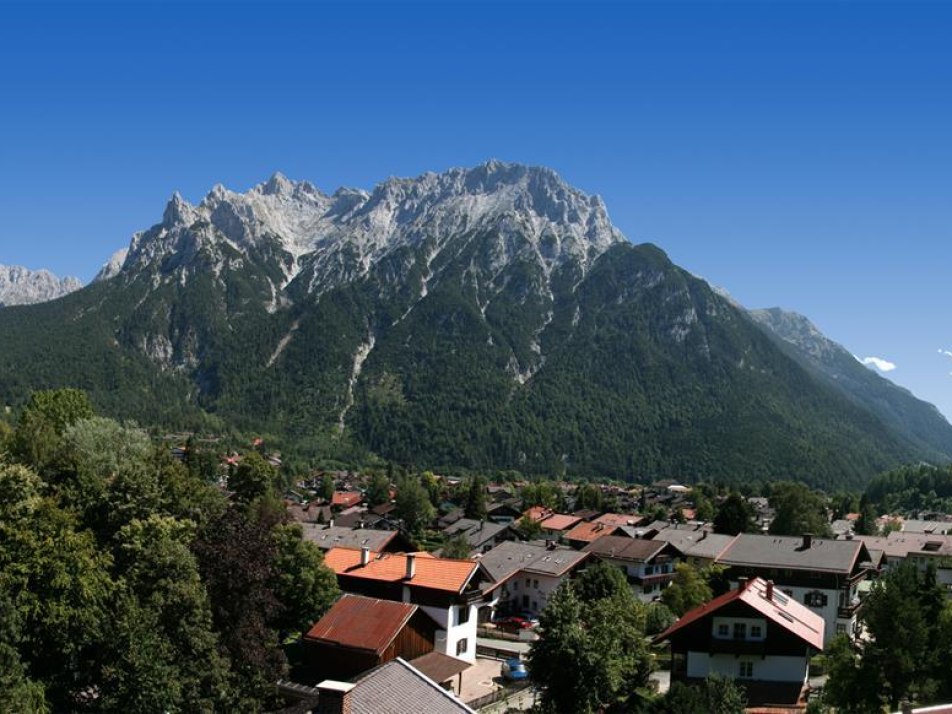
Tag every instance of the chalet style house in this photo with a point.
(451, 592)
(753, 634)
(648, 564)
(822, 574)
(528, 573)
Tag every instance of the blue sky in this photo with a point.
(796, 153)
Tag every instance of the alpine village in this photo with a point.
(452, 445)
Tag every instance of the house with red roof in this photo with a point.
(359, 633)
(452, 592)
(754, 634)
(559, 523)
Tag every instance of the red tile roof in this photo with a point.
(429, 572)
(560, 522)
(537, 513)
(620, 519)
(780, 609)
(346, 499)
(587, 532)
(362, 623)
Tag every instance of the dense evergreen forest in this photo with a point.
(130, 583)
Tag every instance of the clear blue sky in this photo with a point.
(797, 153)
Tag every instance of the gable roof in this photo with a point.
(621, 519)
(510, 557)
(399, 688)
(327, 537)
(780, 609)
(476, 532)
(587, 532)
(559, 522)
(429, 572)
(361, 623)
(625, 548)
(788, 553)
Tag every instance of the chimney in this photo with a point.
(334, 697)
(807, 541)
(330, 523)
(742, 582)
(769, 593)
(411, 565)
(364, 556)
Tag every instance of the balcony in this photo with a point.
(738, 647)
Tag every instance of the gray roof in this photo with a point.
(787, 552)
(937, 527)
(477, 532)
(710, 547)
(512, 556)
(624, 548)
(399, 688)
(329, 537)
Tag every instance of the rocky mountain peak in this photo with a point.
(21, 286)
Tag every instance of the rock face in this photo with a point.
(20, 286)
(489, 317)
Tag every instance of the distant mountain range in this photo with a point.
(491, 318)
(21, 286)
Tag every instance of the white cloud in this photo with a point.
(947, 353)
(879, 363)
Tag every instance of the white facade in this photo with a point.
(773, 668)
(646, 592)
(825, 602)
(457, 634)
(531, 591)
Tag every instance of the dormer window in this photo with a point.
(723, 630)
(740, 630)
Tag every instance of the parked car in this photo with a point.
(513, 622)
(530, 617)
(514, 670)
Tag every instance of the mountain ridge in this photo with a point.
(22, 286)
(490, 317)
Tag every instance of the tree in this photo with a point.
(326, 489)
(475, 504)
(253, 478)
(236, 555)
(164, 652)
(413, 506)
(714, 695)
(457, 547)
(866, 523)
(735, 515)
(798, 510)
(687, 590)
(36, 441)
(601, 581)
(589, 495)
(658, 618)
(600, 640)
(302, 583)
(900, 656)
(378, 492)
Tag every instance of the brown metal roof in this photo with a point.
(361, 623)
(625, 548)
(438, 666)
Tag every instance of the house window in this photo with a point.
(756, 632)
(648, 588)
(649, 569)
(463, 614)
(528, 583)
(515, 585)
(723, 630)
(535, 584)
(462, 646)
(840, 628)
(525, 601)
(746, 670)
(815, 599)
(740, 630)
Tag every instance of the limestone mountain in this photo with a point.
(21, 286)
(489, 317)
